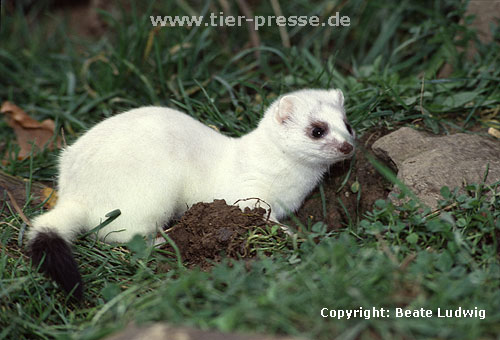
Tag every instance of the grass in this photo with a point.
(386, 63)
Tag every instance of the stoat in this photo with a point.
(153, 163)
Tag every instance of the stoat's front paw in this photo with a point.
(273, 220)
(287, 230)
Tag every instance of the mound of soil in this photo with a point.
(208, 231)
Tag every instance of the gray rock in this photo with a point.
(426, 163)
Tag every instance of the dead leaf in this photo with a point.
(50, 195)
(28, 130)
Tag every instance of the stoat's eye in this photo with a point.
(317, 132)
(349, 128)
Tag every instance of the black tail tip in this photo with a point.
(49, 251)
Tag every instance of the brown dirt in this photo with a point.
(372, 186)
(209, 231)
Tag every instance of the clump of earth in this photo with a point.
(207, 232)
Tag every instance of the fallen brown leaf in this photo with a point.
(51, 195)
(28, 130)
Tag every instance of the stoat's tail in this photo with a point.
(49, 245)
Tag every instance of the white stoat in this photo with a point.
(153, 163)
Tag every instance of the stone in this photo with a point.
(426, 163)
(162, 331)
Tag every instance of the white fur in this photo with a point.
(153, 163)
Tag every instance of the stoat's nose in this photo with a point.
(346, 148)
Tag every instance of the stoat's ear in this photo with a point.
(286, 107)
(338, 96)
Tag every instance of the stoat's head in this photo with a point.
(311, 125)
